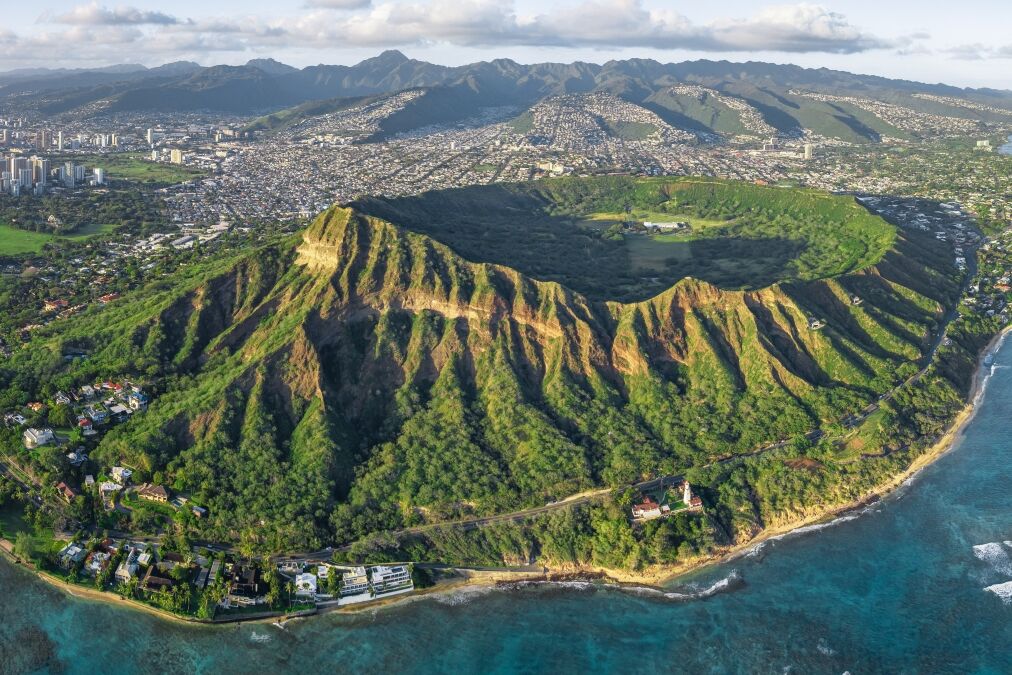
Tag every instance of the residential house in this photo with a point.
(386, 579)
(96, 562)
(354, 582)
(61, 398)
(121, 474)
(96, 413)
(67, 492)
(153, 493)
(85, 425)
(127, 569)
(305, 586)
(137, 400)
(77, 457)
(107, 490)
(291, 567)
(153, 581)
(54, 305)
(243, 586)
(649, 509)
(34, 438)
(71, 554)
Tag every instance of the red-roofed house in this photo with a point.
(649, 509)
(68, 492)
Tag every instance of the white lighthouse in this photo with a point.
(687, 493)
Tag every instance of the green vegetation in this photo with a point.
(630, 131)
(284, 119)
(79, 213)
(135, 168)
(489, 391)
(522, 123)
(14, 241)
(744, 236)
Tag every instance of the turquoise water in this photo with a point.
(899, 589)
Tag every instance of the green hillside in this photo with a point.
(366, 377)
(760, 235)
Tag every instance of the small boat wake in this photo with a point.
(259, 638)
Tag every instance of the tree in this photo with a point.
(62, 416)
(24, 546)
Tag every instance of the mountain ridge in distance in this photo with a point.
(785, 97)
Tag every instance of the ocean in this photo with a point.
(918, 583)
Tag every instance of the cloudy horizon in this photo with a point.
(856, 36)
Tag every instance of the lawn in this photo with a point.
(15, 242)
(136, 168)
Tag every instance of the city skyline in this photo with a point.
(856, 36)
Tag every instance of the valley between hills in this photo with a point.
(404, 364)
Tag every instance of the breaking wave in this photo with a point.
(807, 529)
(536, 583)
(462, 596)
(1003, 591)
(995, 555)
(731, 582)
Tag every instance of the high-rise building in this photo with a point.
(68, 175)
(19, 165)
(40, 170)
(115, 140)
(809, 150)
(99, 176)
(43, 140)
(3, 136)
(151, 136)
(59, 140)
(176, 156)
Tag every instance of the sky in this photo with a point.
(968, 43)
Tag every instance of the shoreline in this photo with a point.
(652, 578)
(942, 446)
(875, 494)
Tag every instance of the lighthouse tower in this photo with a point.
(687, 493)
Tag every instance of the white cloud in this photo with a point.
(338, 4)
(979, 52)
(98, 15)
(602, 24)
(350, 24)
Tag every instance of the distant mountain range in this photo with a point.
(780, 94)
